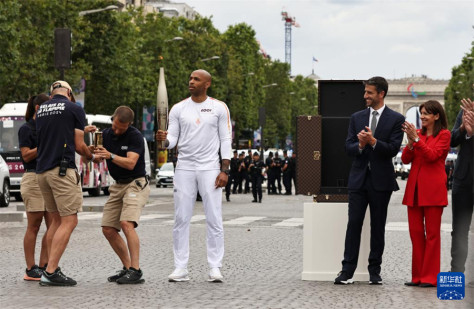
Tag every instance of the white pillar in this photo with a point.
(324, 234)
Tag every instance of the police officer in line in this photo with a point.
(124, 150)
(270, 174)
(234, 172)
(60, 127)
(242, 172)
(232, 176)
(256, 168)
(276, 169)
(293, 168)
(286, 169)
(247, 161)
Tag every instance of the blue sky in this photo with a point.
(357, 39)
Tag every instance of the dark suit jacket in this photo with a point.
(389, 137)
(463, 170)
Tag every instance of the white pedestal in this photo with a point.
(324, 233)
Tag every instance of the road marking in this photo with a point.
(243, 220)
(290, 222)
(89, 216)
(154, 216)
(194, 219)
(403, 226)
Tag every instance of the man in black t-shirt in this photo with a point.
(60, 131)
(124, 150)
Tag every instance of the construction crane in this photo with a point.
(289, 22)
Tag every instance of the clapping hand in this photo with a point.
(410, 130)
(365, 137)
(468, 116)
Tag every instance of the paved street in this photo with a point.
(262, 264)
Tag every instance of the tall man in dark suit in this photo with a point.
(463, 190)
(373, 139)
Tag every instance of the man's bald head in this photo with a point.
(199, 82)
(204, 74)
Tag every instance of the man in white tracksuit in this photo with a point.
(200, 126)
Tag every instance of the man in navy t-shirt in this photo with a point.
(124, 151)
(60, 130)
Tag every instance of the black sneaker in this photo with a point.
(118, 275)
(343, 278)
(33, 274)
(375, 279)
(56, 279)
(133, 276)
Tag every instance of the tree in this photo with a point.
(461, 85)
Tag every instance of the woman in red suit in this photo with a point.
(426, 194)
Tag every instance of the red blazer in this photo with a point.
(427, 172)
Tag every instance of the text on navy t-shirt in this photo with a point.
(56, 122)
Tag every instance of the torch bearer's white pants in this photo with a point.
(186, 185)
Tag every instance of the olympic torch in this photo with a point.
(162, 106)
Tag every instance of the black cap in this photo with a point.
(256, 154)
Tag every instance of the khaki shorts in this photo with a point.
(61, 193)
(31, 193)
(125, 203)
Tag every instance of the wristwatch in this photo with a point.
(112, 156)
(417, 139)
(227, 172)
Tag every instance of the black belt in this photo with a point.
(30, 170)
(126, 181)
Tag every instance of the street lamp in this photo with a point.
(270, 85)
(211, 58)
(108, 8)
(176, 38)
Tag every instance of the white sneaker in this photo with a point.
(178, 275)
(215, 275)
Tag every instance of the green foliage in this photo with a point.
(460, 86)
(120, 54)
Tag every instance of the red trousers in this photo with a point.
(425, 229)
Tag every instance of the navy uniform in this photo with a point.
(242, 172)
(232, 176)
(256, 168)
(276, 170)
(247, 161)
(270, 174)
